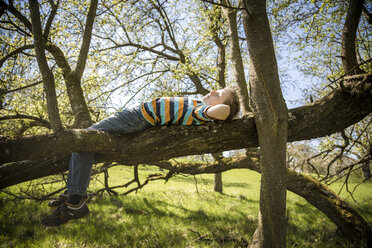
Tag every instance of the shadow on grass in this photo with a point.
(142, 217)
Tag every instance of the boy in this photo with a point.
(217, 105)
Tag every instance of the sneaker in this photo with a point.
(66, 212)
(62, 198)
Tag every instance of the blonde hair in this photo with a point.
(233, 101)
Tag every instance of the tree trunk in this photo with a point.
(218, 182)
(236, 57)
(218, 176)
(77, 100)
(366, 171)
(271, 117)
(73, 78)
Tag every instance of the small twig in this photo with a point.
(200, 237)
(196, 186)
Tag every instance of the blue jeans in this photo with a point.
(80, 169)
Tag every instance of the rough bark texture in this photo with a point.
(271, 117)
(348, 51)
(336, 111)
(77, 101)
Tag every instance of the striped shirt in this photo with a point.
(175, 110)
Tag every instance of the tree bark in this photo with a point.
(77, 101)
(46, 73)
(348, 47)
(73, 79)
(236, 58)
(271, 117)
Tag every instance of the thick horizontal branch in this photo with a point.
(336, 111)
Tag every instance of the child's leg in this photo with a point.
(80, 169)
(126, 121)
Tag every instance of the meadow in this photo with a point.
(183, 212)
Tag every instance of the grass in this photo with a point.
(179, 213)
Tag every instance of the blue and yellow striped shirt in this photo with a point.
(175, 110)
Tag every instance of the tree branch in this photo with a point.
(17, 14)
(225, 5)
(39, 120)
(53, 13)
(20, 88)
(18, 50)
(86, 38)
(46, 73)
(367, 15)
(59, 57)
(145, 48)
(333, 113)
(348, 53)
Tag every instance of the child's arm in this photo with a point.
(219, 111)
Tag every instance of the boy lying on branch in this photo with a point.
(217, 105)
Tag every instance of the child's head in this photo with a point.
(232, 101)
(226, 96)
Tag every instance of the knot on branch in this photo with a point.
(363, 89)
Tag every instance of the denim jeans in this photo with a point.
(126, 121)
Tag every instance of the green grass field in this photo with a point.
(179, 213)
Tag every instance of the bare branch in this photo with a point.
(86, 38)
(145, 48)
(53, 13)
(20, 88)
(39, 120)
(222, 5)
(15, 52)
(367, 15)
(17, 14)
